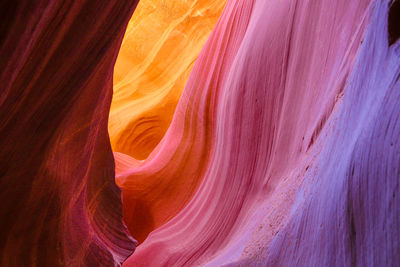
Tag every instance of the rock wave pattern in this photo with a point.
(59, 205)
(289, 123)
(160, 46)
(282, 150)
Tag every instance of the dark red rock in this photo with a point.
(59, 204)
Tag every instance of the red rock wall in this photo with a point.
(59, 204)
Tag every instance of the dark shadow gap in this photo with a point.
(394, 22)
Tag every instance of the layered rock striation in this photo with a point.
(59, 205)
(289, 122)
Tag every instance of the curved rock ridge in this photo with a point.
(290, 124)
(59, 205)
(162, 41)
(156, 189)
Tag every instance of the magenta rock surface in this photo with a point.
(304, 167)
(288, 132)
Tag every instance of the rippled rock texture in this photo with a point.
(289, 123)
(59, 205)
(283, 149)
(160, 46)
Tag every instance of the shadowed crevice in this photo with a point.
(394, 22)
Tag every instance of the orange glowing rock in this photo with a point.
(162, 41)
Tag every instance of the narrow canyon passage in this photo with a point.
(279, 106)
(200, 133)
(161, 44)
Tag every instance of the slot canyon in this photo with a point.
(200, 133)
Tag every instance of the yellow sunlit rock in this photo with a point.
(161, 44)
